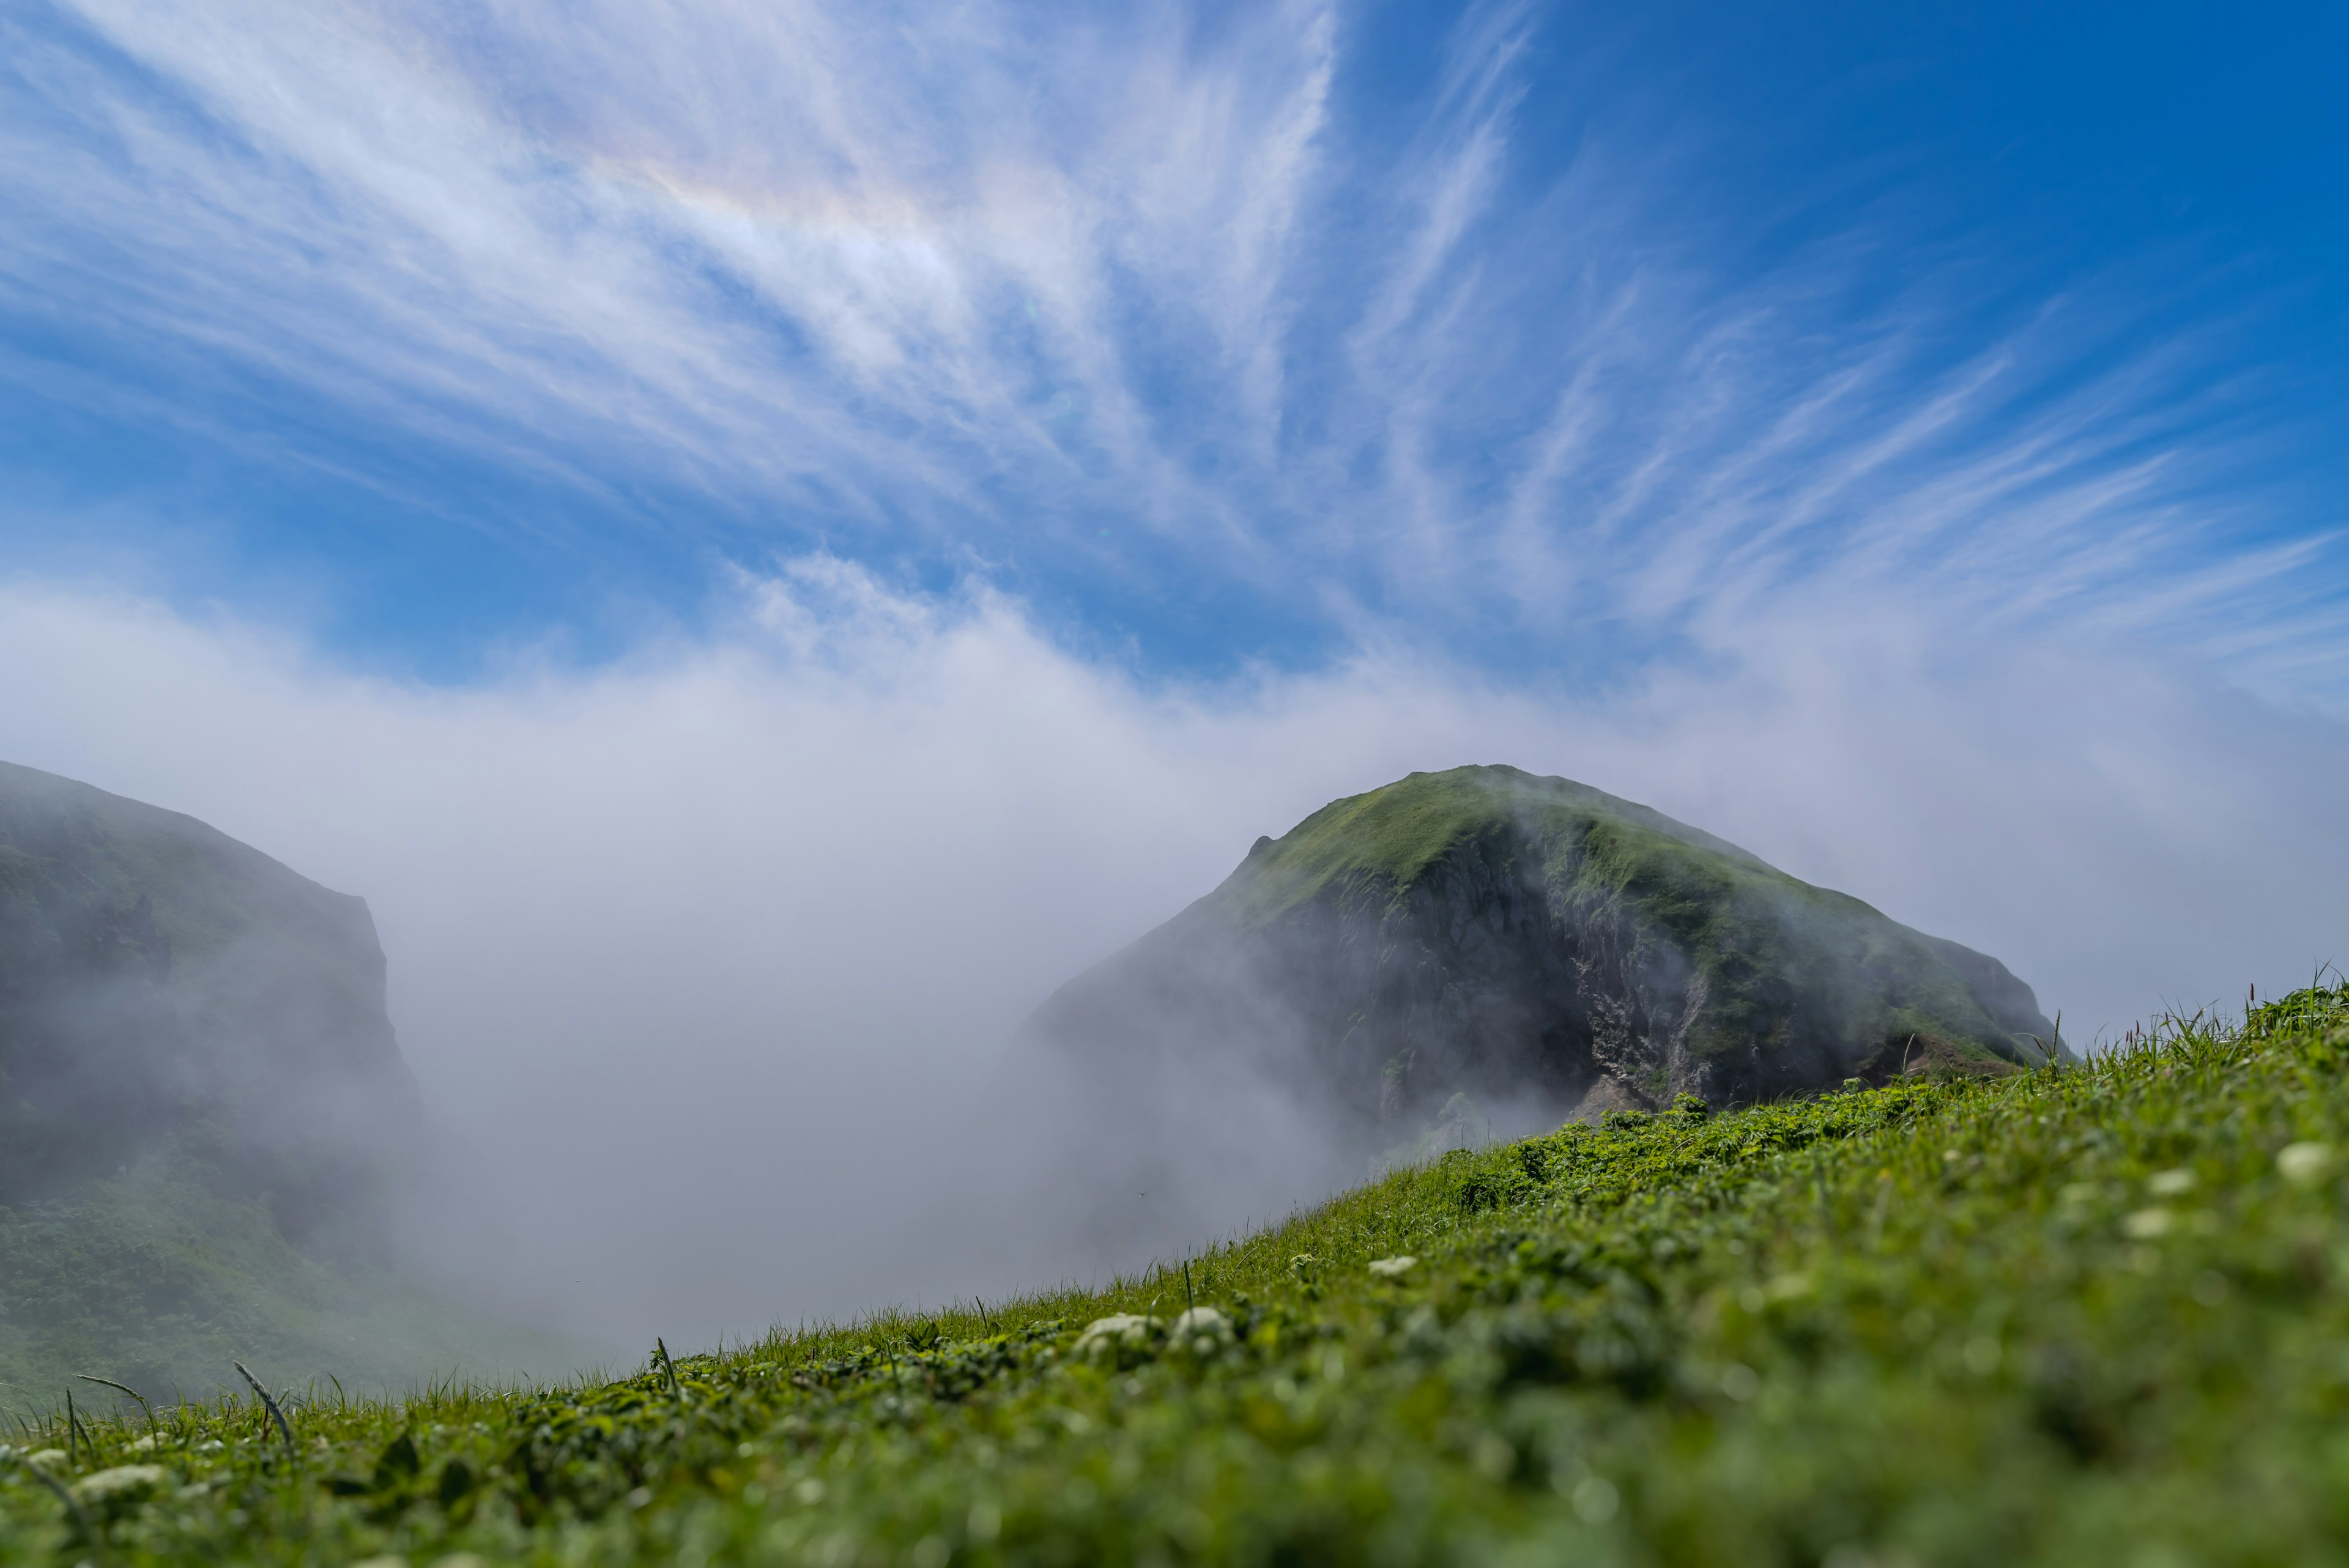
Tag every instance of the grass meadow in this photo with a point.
(2089, 1313)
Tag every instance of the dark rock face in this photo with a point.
(1531, 938)
(157, 978)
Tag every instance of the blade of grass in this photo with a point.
(669, 1367)
(284, 1430)
(126, 1388)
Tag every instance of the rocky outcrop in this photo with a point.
(1519, 937)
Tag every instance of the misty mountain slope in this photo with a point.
(167, 1273)
(2090, 1312)
(153, 970)
(203, 1104)
(1521, 938)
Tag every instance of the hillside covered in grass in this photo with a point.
(2079, 1313)
(203, 1111)
(1530, 939)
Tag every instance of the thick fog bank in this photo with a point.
(708, 961)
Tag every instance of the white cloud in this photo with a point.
(998, 280)
(712, 951)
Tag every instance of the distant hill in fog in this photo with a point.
(1520, 938)
(202, 1105)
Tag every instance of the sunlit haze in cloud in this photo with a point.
(761, 537)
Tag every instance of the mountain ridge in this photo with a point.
(207, 1128)
(1487, 930)
(153, 968)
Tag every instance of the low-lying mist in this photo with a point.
(706, 963)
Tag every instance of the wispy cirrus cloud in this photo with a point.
(1135, 289)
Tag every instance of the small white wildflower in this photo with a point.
(2304, 1163)
(1394, 1268)
(1105, 1337)
(1201, 1330)
(145, 1445)
(120, 1484)
(47, 1459)
(2147, 1225)
(2170, 1183)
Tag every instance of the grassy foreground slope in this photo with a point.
(2089, 1313)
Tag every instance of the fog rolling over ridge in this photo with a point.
(213, 1152)
(1449, 956)
(1483, 931)
(710, 958)
(195, 1036)
(1365, 989)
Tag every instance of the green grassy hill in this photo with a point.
(1513, 937)
(203, 1114)
(2078, 1314)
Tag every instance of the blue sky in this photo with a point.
(1555, 340)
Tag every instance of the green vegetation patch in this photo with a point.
(165, 1273)
(67, 848)
(1782, 964)
(1391, 837)
(2086, 1313)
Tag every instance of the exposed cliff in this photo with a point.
(1514, 937)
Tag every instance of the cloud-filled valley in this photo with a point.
(719, 949)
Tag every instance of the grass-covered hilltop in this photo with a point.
(2070, 1314)
(1513, 937)
(202, 1101)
